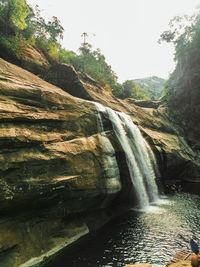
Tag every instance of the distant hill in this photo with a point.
(153, 86)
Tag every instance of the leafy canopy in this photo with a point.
(21, 25)
(13, 13)
(93, 63)
(186, 39)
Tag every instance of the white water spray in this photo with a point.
(139, 157)
(110, 166)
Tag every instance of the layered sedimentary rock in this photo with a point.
(52, 165)
(168, 140)
(55, 163)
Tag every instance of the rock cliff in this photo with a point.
(185, 107)
(55, 162)
(177, 159)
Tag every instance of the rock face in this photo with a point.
(29, 58)
(52, 163)
(55, 163)
(176, 157)
(33, 60)
(187, 108)
(184, 101)
(65, 77)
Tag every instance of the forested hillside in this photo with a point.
(153, 86)
(183, 86)
(22, 26)
(27, 37)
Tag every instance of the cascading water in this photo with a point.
(111, 170)
(139, 157)
(143, 155)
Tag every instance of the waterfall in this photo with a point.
(139, 156)
(110, 166)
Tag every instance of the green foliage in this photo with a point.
(50, 49)
(94, 64)
(19, 11)
(38, 28)
(35, 24)
(13, 44)
(55, 30)
(66, 56)
(13, 14)
(146, 88)
(8, 43)
(133, 90)
(187, 55)
(153, 86)
(21, 25)
(117, 90)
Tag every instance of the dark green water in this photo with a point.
(152, 236)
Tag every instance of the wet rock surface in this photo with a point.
(52, 160)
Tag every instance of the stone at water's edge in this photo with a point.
(52, 162)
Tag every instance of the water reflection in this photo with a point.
(152, 236)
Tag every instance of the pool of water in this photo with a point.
(152, 236)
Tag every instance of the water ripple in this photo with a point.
(152, 236)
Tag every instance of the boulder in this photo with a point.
(65, 77)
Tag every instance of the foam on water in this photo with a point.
(162, 202)
(150, 209)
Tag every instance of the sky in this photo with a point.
(126, 31)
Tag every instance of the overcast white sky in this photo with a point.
(126, 31)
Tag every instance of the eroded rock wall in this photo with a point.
(53, 164)
(58, 173)
(176, 158)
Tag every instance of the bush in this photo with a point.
(10, 44)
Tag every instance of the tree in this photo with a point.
(54, 29)
(132, 89)
(187, 55)
(13, 14)
(36, 26)
(180, 32)
(93, 63)
(84, 35)
(183, 85)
